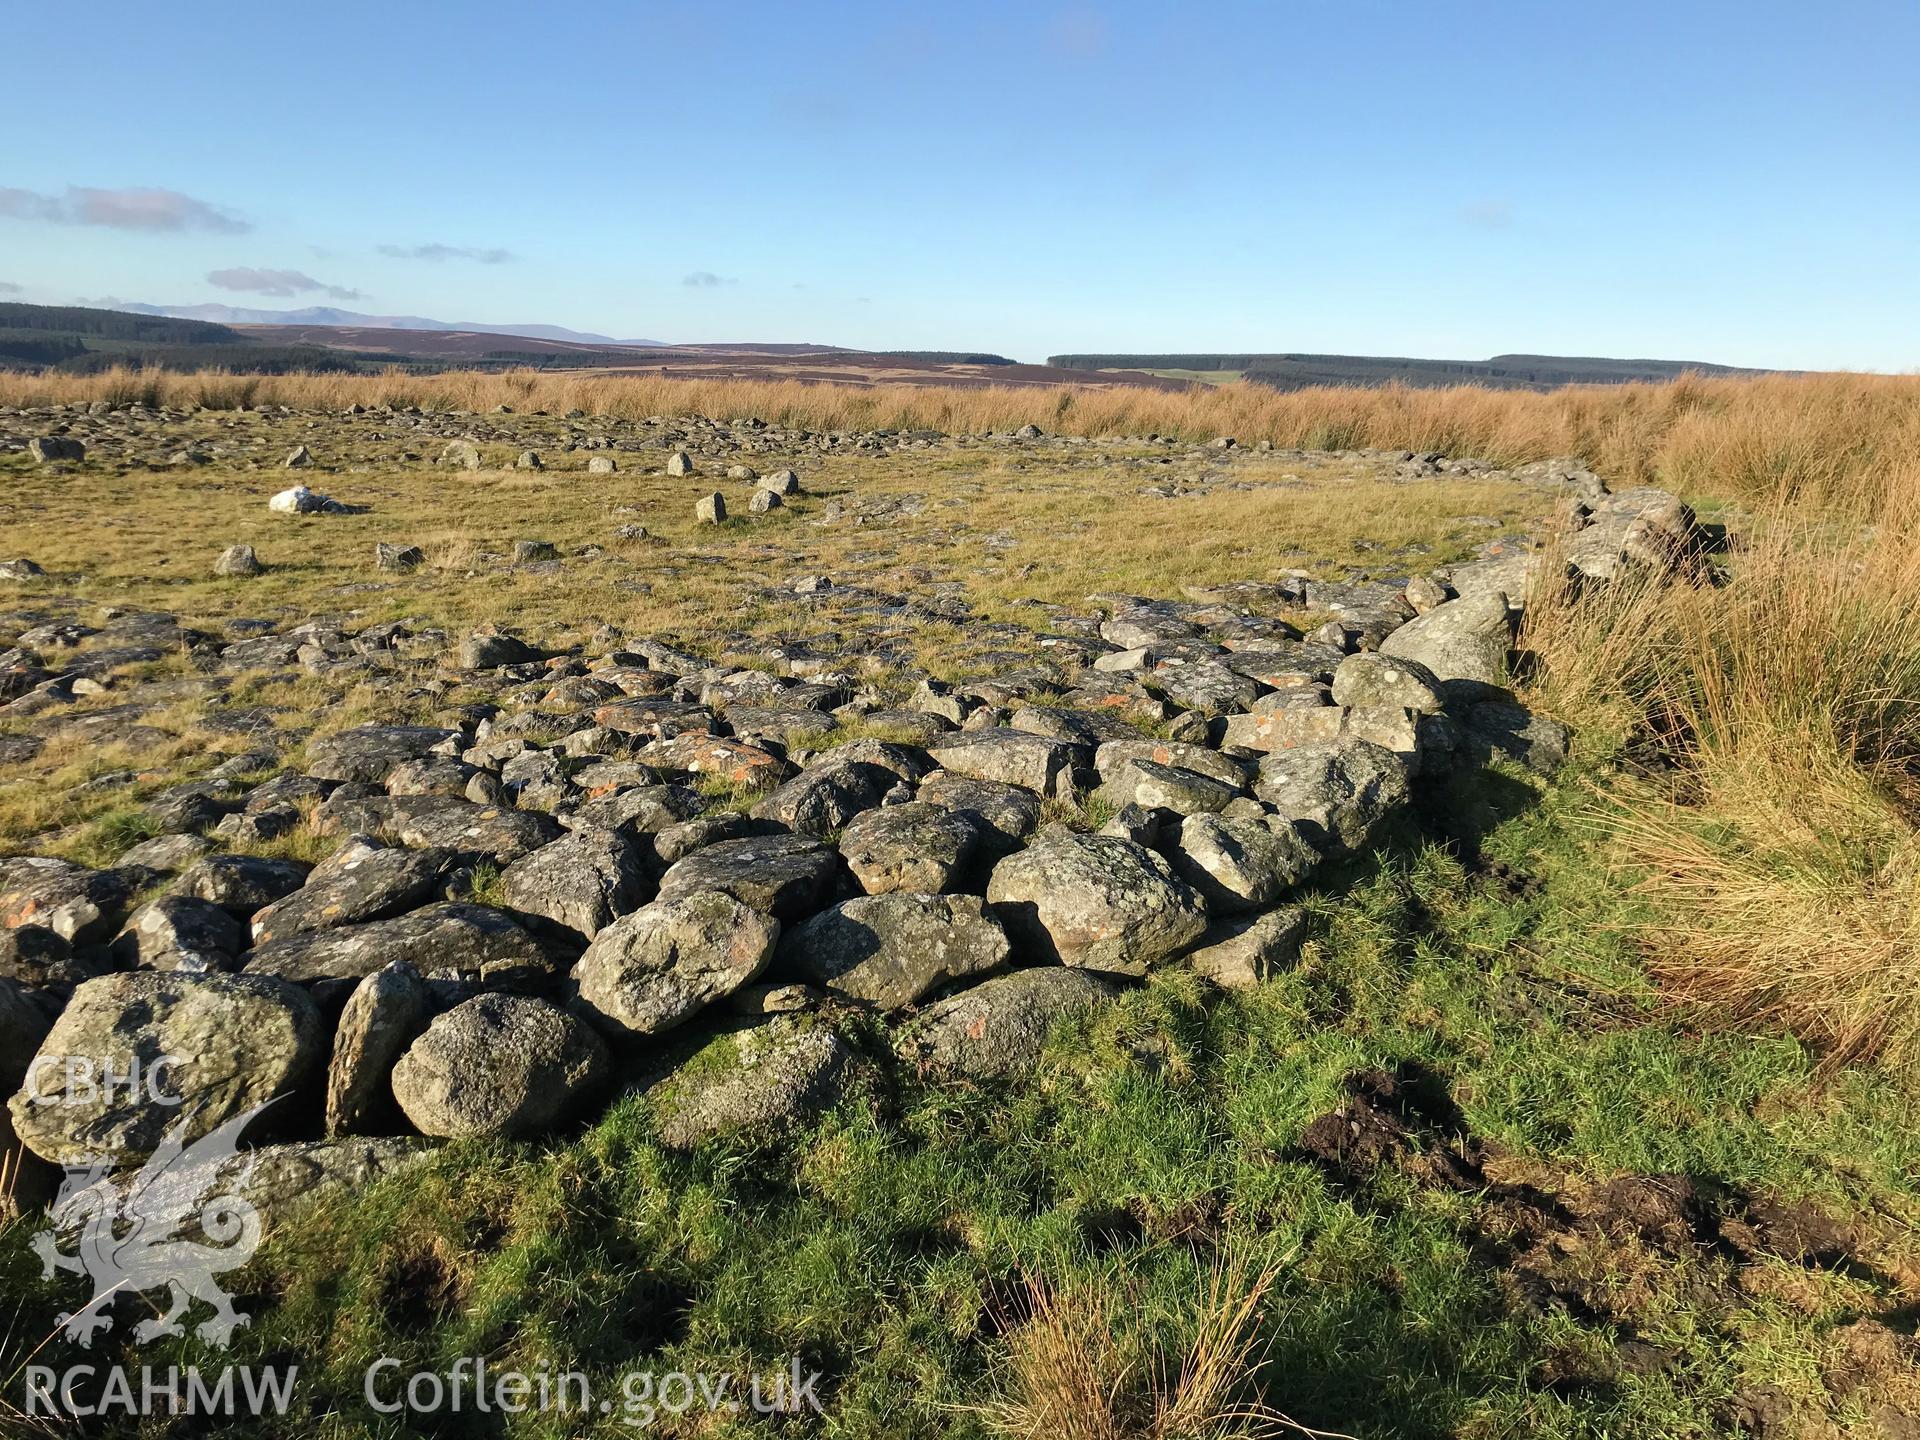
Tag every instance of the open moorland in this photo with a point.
(1059, 912)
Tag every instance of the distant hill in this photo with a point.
(1502, 372)
(328, 315)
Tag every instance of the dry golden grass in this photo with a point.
(1814, 435)
(1078, 1369)
(1781, 854)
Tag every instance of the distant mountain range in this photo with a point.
(1296, 371)
(328, 315)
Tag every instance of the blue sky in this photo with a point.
(1713, 181)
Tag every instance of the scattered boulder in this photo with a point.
(1338, 792)
(356, 884)
(242, 884)
(1242, 862)
(761, 1080)
(237, 561)
(889, 950)
(1243, 951)
(917, 846)
(583, 881)
(383, 1015)
(44, 448)
(679, 463)
(79, 905)
(502, 1065)
(1464, 643)
(238, 1042)
(999, 1027)
(710, 509)
(786, 876)
(659, 966)
(180, 932)
(398, 559)
(1096, 902)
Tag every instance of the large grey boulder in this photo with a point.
(1243, 951)
(1242, 862)
(79, 905)
(489, 652)
(466, 828)
(824, 797)
(912, 847)
(583, 881)
(1013, 757)
(786, 876)
(763, 1080)
(447, 936)
(237, 1042)
(382, 1016)
(357, 884)
(179, 932)
(1113, 756)
(1371, 680)
(1009, 813)
(498, 1065)
(1338, 792)
(242, 884)
(40, 959)
(370, 753)
(650, 971)
(44, 448)
(1464, 643)
(998, 1027)
(1095, 901)
(1153, 786)
(889, 950)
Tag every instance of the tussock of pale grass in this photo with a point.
(1780, 854)
(1077, 1369)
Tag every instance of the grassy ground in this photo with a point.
(898, 1248)
(1588, 1194)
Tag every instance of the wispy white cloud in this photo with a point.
(136, 208)
(7, 287)
(437, 252)
(276, 282)
(706, 279)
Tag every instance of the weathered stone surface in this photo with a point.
(1154, 786)
(168, 854)
(1512, 732)
(999, 1027)
(889, 950)
(239, 1040)
(237, 561)
(640, 810)
(485, 832)
(1010, 813)
(916, 847)
(42, 959)
(763, 1080)
(79, 905)
(658, 967)
(1012, 757)
(1465, 643)
(180, 932)
(1240, 862)
(489, 652)
(356, 884)
(1338, 792)
(582, 881)
(1242, 951)
(370, 753)
(44, 448)
(242, 884)
(824, 797)
(498, 1065)
(1372, 680)
(1112, 757)
(448, 936)
(710, 509)
(786, 876)
(1096, 902)
(382, 1016)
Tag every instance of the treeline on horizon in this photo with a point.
(1297, 371)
